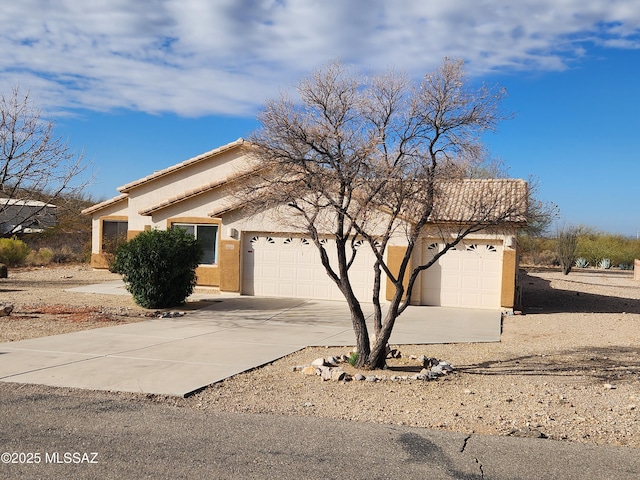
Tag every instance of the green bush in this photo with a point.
(13, 251)
(158, 267)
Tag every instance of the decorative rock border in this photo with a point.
(329, 369)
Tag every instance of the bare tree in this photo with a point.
(375, 159)
(567, 243)
(37, 168)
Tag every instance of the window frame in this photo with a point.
(105, 239)
(195, 226)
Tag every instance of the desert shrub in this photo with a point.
(618, 249)
(582, 262)
(67, 246)
(592, 246)
(537, 250)
(13, 251)
(604, 264)
(353, 359)
(158, 267)
(66, 254)
(43, 256)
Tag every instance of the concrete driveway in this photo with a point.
(177, 356)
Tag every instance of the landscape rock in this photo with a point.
(168, 314)
(325, 373)
(395, 353)
(309, 370)
(318, 362)
(446, 366)
(428, 362)
(359, 377)
(5, 309)
(332, 361)
(527, 433)
(427, 374)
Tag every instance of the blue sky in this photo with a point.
(146, 84)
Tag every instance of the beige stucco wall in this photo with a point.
(183, 180)
(178, 182)
(197, 208)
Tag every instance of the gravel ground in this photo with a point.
(568, 368)
(42, 306)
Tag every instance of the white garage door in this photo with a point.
(468, 276)
(283, 266)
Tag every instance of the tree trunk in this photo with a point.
(378, 355)
(359, 328)
(377, 314)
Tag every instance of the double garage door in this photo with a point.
(281, 266)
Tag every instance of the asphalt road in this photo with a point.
(53, 435)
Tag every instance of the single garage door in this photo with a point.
(282, 266)
(468, 276)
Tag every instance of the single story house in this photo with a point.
(25, 216)
(257, 255)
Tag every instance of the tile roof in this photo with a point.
(481, 200)
(106, 203)
(221, 210)
(470, 200)
(161, 173)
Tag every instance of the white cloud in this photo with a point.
(195, 57)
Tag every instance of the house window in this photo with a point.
(114, 233)
(208, 237)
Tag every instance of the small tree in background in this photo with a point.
(35, 165)
(159, 267)
(567, 243)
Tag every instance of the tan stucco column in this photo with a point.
(229, 259)
(509, 272)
